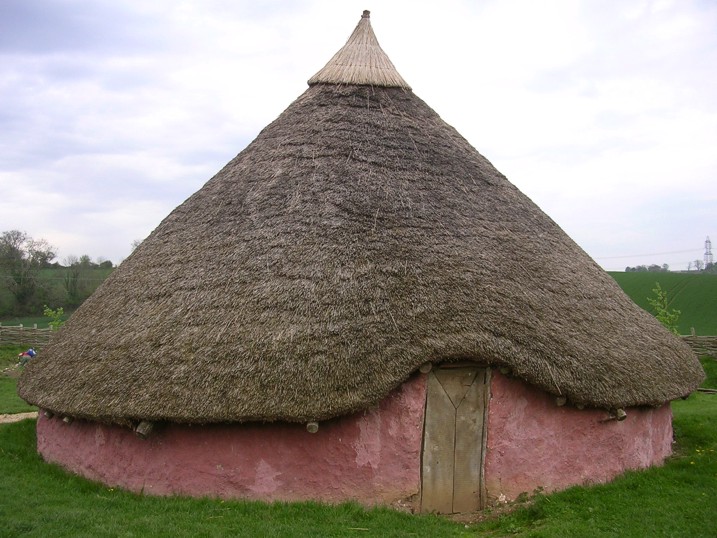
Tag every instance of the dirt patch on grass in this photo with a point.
(16, 417)
(12, 371)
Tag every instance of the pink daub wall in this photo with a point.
(373, 457)
(532, 443)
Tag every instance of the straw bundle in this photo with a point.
(360, 61)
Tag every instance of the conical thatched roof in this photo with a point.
(356, 238)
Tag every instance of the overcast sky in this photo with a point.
(603, 112)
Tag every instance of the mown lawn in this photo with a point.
(10, 402)
(676, 500)
(679, 499)
(42, 500)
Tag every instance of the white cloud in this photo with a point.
(603, 113)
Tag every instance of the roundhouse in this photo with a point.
(358, 306)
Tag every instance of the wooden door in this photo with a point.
(454, 440)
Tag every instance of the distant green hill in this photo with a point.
(52, 291)
(694, 294)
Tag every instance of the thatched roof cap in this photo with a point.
(361, 61)
(356, 238)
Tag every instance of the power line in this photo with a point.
(646, 255)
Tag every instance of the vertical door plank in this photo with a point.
(456, 381)
(470, 417)
(438, 450)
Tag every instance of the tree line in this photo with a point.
(696, 265)
(30, 278)
(654, 268)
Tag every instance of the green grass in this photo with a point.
(679, 499)
(694, 294)
(710, 366)
(28, 321)
(46, 501)
(51, 290)
(42, 322)
(10, 402)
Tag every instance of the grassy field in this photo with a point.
(679, 499)
(46, 501)
(42, 322)
(10, 402)
(694, 294)
(52, 290)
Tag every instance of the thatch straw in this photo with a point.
(360, 61)
(356, 238)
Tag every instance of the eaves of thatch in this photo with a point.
(356, 238)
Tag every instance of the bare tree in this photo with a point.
(21, 258)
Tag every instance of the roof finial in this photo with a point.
(360, 61)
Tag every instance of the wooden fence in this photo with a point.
(19, 335)
(702, 345)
